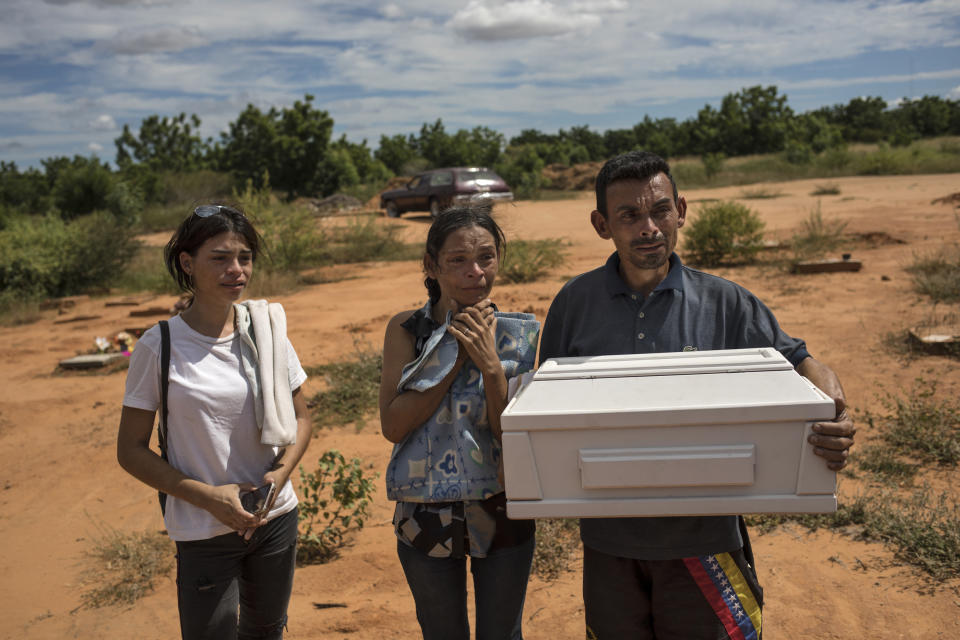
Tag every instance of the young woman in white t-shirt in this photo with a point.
(228, 559)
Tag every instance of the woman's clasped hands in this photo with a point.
(475, 328)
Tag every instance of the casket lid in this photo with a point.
(685, 388)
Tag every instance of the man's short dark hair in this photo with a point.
(633, 165)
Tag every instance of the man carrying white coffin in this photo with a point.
(687, 578)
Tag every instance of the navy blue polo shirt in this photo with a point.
(596, 313)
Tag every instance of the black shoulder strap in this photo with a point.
(164, 385)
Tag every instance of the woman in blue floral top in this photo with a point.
(444, 386)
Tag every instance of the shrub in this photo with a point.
(826, 189)
(724, 230)
(48, 256)
(528, 260)
(760, 193)
(334, 499)
(798, 152)
(125, 566)
(82, 187)
(712, 163)
(291, 236)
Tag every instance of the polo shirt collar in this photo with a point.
(616, 286)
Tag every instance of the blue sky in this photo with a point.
(73, 72)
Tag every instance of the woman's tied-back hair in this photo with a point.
(633, 165)
(195, 230)
(450, 220)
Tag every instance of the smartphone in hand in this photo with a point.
(256, 501)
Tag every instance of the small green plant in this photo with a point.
(826, 189)
(557, 542)
(124, 566)
(724, 231)
(817, 236)
(334, 499)
(529, 260)
(760, 193)
(353, 388)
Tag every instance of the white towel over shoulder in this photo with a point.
(263, 349)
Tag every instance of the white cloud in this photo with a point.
(95, 147)
(154, 40)
(104, 122)
(517, 19)
(391, 11)
(388, 68)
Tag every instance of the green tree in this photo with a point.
(754, 120)
(289, 144)
(522, 168)
(397, 152)
(589, 140)
(480, 146)
(929, 116)
(28, 191)
(164, 144)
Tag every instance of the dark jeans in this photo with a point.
(439, 587)
(660, 599)
(218, 576)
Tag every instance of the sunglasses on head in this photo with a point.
(207, 210)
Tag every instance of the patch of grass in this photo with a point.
(920, 424)
(353, 388)
(529, 260)
(826, 189)
(557, 194)
(816, 236)
(760, 193)
(923, 530)
(161, 217)
(124, 566)
(367, 238)
(267, 284)
(937, 274)
(146, 272)
(557, 542)
(845, 515)
(17, 308)
(884, 461)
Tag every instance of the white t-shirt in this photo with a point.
(211, 425)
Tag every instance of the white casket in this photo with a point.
(692, 433)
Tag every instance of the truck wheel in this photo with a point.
(434, 208)
(392, 211)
